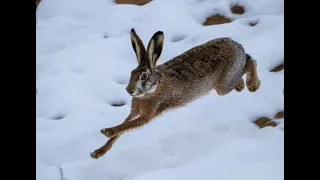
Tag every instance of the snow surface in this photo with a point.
(84, 60)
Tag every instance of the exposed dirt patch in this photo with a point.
(216, 19)
(279, 115)
(271, 124)
(278, 68)
(237, 9)
(266, 121)
(136, 2)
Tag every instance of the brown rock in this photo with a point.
(278, 68)
(237, 9)
(216, 19)
(279, 115)
(271, 123)
(262, 121)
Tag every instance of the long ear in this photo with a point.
(138, 46)
(155, 48)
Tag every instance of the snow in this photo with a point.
(80, 72)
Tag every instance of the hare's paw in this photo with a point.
(254, 85)
(109, 132)
(240, 86)
(97, 153)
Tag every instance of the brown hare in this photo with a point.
(218, 64)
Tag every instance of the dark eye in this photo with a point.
(143, 76)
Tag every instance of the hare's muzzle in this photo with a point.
(131, 90)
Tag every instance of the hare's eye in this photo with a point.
(144, 76)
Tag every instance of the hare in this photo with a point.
(218, 64)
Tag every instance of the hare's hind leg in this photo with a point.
(240, 85)
(103, 149)
(223, 91)
(223, 87)
(252, 79)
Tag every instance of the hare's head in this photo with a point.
(143, 79)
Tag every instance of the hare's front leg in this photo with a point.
(115, 131)
(149, 113)
(131, 117)
(103, 149)
(106, 147)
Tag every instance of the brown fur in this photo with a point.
(218, 64)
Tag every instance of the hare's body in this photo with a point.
(218, 64)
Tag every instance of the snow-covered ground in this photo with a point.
(84, 60)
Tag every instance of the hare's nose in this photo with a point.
(130, 91)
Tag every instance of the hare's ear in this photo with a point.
(155, 48)
(138, 47)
